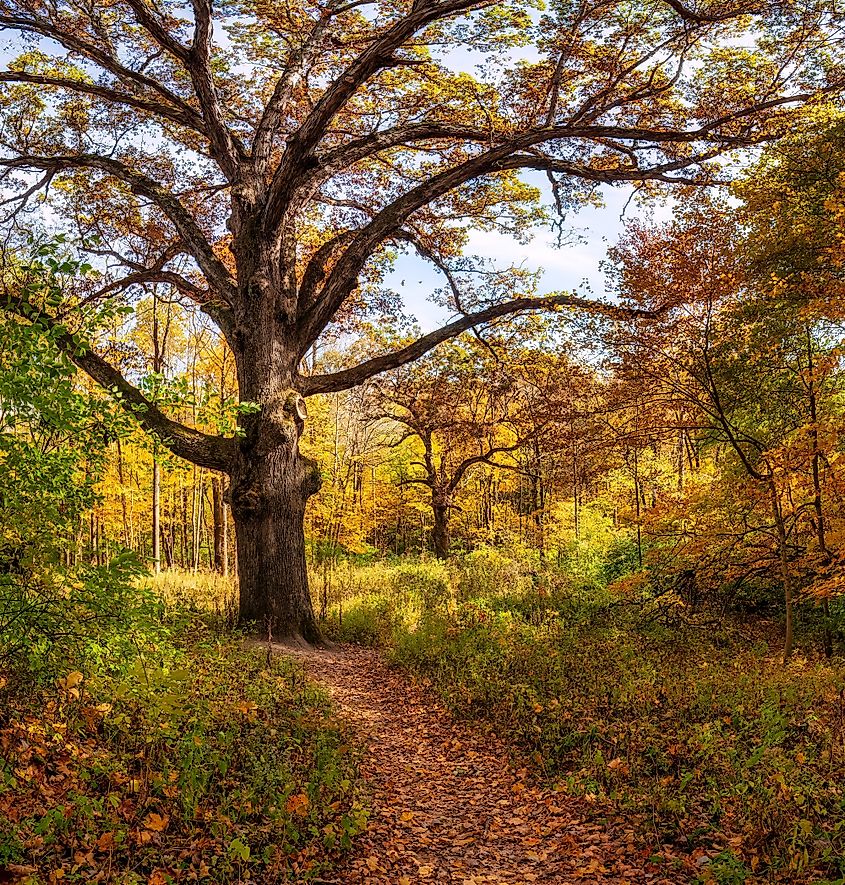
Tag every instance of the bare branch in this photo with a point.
(486, 458)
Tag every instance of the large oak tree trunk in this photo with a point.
(271, 483)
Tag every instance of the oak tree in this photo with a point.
(264, 160)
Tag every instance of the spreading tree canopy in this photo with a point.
(263, 159)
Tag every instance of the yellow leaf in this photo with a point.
(372, 862)
(248, 708)
(72, 679)
(425, 872)
(407, 815)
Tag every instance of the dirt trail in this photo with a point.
(449, 806)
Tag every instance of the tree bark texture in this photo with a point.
(271, 482)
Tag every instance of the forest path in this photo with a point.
(448, 805)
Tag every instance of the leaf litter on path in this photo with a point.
(448, 803)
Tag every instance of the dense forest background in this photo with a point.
(690, 459)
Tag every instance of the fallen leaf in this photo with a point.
(106, 842)
(156, 822)
(297, 805)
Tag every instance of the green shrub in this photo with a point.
(366, 620)
(425, 583)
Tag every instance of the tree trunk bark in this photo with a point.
(270, 485)
(786, 573)
(440, 533)
(819, 522)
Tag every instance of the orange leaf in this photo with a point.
(156, 822)
(105, 842)
(297, 804)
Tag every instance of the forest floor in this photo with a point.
(451, 803)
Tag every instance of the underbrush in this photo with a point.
(700, 738)
(160, 746)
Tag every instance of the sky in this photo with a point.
(574, 267)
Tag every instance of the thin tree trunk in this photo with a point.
(638, 510)
(827, 638)
(196, 518)
(184, 525)
(225, 513)
(217, 522)
(440, 532)
(127, 538)
(786, 573)
(156, 515)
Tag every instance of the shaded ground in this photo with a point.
(448, 804)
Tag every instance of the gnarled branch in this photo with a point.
(214, 452)
(192, 236)
(346, 378)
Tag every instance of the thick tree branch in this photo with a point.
(485, 458)
(701, 18)
(377, 56)
(292, 76)
(227, 150)
(156, 275)
(157, 30)
(344, 275)
(315, 270)
(214, 452)
(352, 377)
(514, 154)
(94, 53)
(182, 116)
